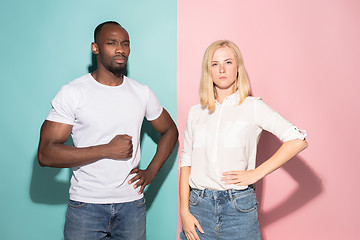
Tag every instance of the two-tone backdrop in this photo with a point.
(302, 58)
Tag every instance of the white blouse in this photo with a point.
(227, 138)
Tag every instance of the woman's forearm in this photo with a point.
(287, 151)
(184, 189)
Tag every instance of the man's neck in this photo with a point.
(108, 78)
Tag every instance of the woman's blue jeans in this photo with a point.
(87, 221)
(225, 215)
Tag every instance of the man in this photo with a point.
(104, 111)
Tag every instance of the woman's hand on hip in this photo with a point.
(240, 178)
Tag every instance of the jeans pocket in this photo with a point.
(245, 202)
(76, 204)
(194, 197)
(140, 202)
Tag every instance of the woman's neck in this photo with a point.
(221, 94)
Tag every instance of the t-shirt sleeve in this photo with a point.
(153, 107)
(63, 106)
(185, 157)
(271, 121)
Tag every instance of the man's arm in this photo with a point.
(53, 153)
(169, 136)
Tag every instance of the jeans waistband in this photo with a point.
(222, 193)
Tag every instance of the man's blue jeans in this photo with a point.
(125, 221)
(225, 215)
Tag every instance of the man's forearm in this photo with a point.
(62, 156)
(165, 147)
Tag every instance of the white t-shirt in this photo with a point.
(98, 113)
(226, 139)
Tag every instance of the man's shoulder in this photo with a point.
(80, 81)
(135, 83)
(138, 89)
(77, 85)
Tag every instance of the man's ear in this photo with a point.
(94, 48)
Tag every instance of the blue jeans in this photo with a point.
(87, 221)
(225, 215)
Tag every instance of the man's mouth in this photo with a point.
(120, 59)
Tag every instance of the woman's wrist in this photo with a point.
(184, 211)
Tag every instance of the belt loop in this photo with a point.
(202, 193)
(230, 195)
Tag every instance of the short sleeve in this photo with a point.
(271, 121)
(153, 107)
(63, 106)
(185, 158)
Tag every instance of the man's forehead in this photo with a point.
(113, 30)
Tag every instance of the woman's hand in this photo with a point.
(189, 222)
(240, 178)
(287, 151)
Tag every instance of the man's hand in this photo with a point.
(144, 178)
(169, 134)
(120, 147)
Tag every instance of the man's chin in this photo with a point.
(117, 70)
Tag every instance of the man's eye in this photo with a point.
(110, 43)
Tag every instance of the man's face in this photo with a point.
(112, 48)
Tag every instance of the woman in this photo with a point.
(217, 164)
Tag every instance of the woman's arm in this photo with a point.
(188, 220)
(287, 151)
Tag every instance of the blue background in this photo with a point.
(46, 44)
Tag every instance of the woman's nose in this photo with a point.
(222, 69)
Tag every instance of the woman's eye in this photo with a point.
(228, 62)
(214, 64)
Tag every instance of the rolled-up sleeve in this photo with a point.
(185, 158)
(271, 121)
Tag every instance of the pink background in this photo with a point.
(302, 58)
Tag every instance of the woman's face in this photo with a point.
(224, 69)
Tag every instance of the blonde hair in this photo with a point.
(207, 91)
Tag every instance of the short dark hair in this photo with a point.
(101, 25)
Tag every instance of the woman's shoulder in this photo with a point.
(196, 108)
(252, 100)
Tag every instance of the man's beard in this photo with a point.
(116, 70)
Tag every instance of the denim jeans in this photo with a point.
(87, 221)
(225, 215)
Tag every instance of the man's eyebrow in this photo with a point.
(116, 40)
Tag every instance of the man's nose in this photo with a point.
(119, 49)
